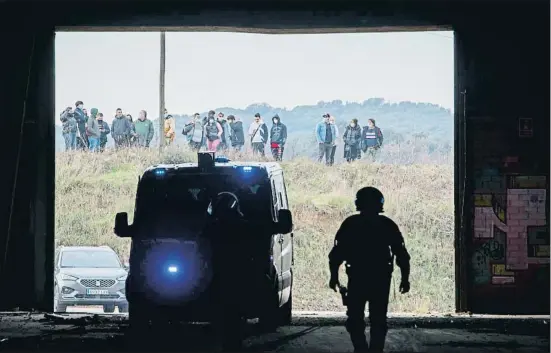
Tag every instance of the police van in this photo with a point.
(170, 268)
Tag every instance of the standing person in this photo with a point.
(81, 118)
(334, 148)
(194, 131)
(170, 130)
(258, 133)
(368, 242)
(92, 131)
(104, 131)
(352, 139)
(278, 137)
(132, 138)
(225, 139)
(121, 129)
(213, 133)
(325, 136)
(237, 133)
(69, 128)
(372, 139)
(144, 130)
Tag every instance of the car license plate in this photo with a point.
(97, 291)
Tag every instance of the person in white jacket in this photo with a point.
(258, 133)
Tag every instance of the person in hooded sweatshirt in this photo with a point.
(144, 129)
(213, 133)
(121, 129)
(104, 131)
(225, 139)
(237, 133)
(194, 132)
(352, 138)
(92, 131)
(278, 137)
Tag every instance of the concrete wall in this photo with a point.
(507, 109)
(502, 180)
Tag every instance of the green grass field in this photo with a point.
(91, 188)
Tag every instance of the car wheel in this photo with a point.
(108, 308)
(58, 308)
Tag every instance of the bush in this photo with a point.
(91, 188)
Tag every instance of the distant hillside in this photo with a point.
(398, 121)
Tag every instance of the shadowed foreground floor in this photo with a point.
(309, 333)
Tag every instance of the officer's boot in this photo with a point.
(357, 336)
(377, 337)
(359, 342)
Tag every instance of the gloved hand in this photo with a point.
(334, 284)
(404, 287)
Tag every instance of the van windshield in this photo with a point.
(187, 196)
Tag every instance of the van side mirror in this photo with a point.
(285, 221)
(121, 225)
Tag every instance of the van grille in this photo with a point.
(97, 283)
(100, 296)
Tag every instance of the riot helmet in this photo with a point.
(225, 206)
(370, 199)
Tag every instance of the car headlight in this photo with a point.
(68, 277)
(122, 278)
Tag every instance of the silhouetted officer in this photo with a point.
(234, 243)
(368, 243)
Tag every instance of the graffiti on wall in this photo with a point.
(510, 226)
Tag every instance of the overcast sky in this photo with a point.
(108, 70)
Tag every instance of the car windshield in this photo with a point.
(189, 195)
(90, 259)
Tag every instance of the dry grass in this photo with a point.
(91, 188)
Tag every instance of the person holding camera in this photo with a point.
(69, 128)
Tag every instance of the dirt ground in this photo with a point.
(309, 332)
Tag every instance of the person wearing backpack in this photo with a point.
(213, 133)
(194, 132)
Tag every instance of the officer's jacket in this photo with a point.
(369, 243)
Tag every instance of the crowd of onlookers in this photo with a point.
(214, 132)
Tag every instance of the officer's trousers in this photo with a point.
(375, 291)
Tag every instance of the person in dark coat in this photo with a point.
(104, 131)
(352, 139)
(368, 243)
(372, 139)
(237, 133)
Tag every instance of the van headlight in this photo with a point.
(122, 278)
(68, 277)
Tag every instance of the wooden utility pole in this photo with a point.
(162, 95)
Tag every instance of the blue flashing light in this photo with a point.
(160, 172)
(221, 159)
(247, 169)
(172, 269)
